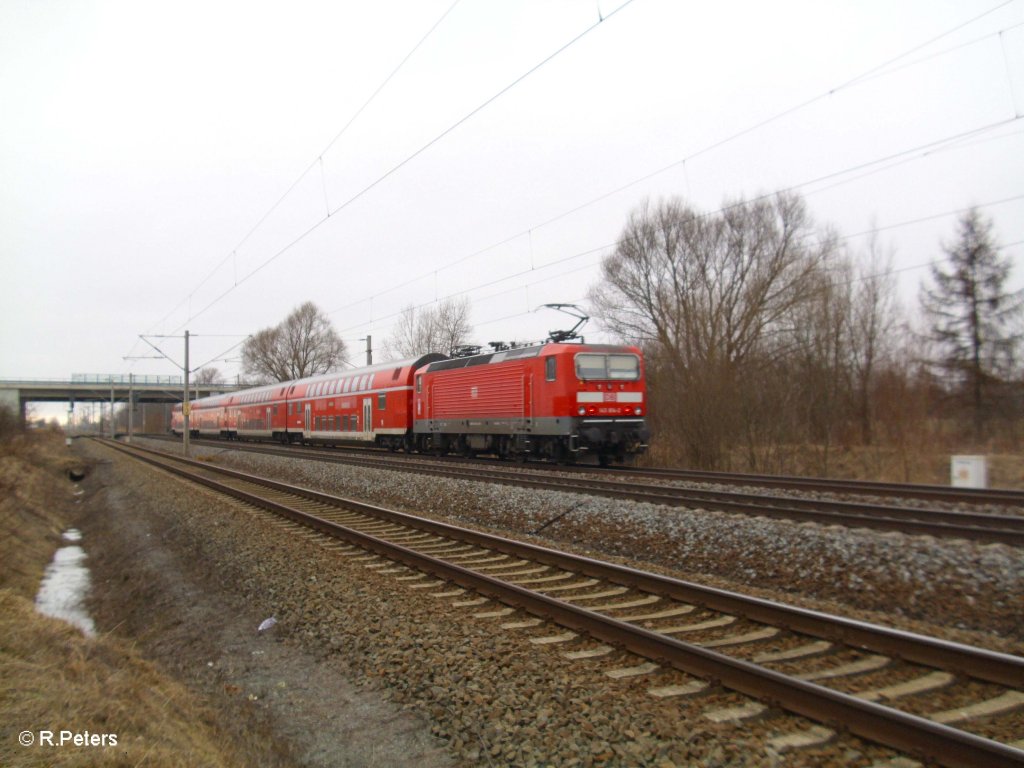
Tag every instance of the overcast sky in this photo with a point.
(147, 151)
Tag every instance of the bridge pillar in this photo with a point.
(12, 399)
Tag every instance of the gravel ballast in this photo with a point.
(487, 695)
(952, 584)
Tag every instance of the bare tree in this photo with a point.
(438, 329)
(822, 335)
(714, 297)
(873, 322)
(208, 375)
(304, 344)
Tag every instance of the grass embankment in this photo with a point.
(927, 463)
(54, 678)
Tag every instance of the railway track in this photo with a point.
(975, 526)
(979, 496)
(943, 702)
(936, 493)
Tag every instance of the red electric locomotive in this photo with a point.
(557, 401)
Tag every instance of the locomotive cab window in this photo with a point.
(550, 367)
(621, 367)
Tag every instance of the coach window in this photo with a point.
(355, 422)
(549, 368)
(382, 401)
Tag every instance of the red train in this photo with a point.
(558, 401)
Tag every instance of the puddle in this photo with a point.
(65, 585)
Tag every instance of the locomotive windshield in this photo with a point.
(621, 367)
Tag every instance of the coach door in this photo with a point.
(306, 413)
(527, 397)
(368, 415)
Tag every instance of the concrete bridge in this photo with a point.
(109, 388)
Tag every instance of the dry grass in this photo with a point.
(57, 679)
(925, 462)
(54, 678)
(1005, 470)
(34, 498)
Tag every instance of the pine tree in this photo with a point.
(974, 319)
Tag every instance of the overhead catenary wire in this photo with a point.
(905, 155)
(869, 74)
(311, 166)
(880, 70)
(408, 159)
(219, 355)
(608, 248)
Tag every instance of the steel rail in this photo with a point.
(1002, 496)
(1004, 529)
(995, 496)
(919, 736)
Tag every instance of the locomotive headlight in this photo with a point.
(639, 411)
(581, 411)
